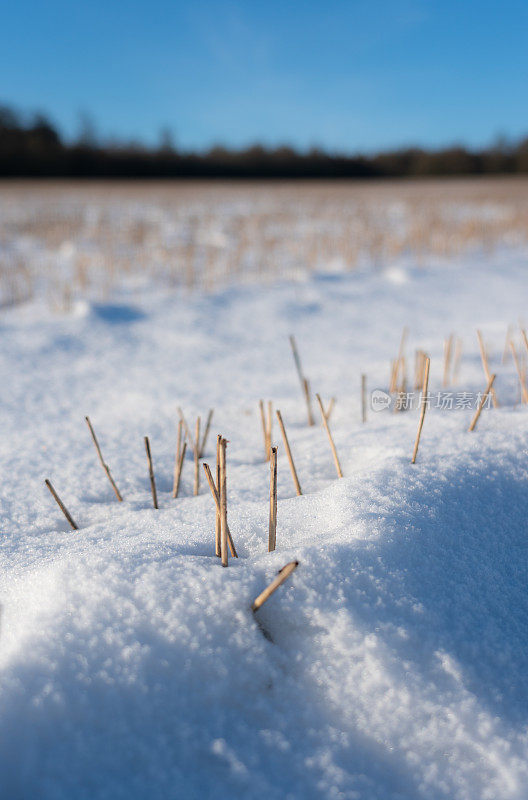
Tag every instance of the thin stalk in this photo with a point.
(424, 405)
(61, 505)
(272, 537)
(283, 575)
(101, 459)
(289, 454)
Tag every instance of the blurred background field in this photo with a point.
(61, 241)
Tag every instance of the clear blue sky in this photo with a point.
(343, 75)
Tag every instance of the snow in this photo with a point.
(131, 663)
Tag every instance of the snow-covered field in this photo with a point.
(131, 665)
(64, 240)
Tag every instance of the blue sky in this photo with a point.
(344, 76)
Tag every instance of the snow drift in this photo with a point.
(131, 663)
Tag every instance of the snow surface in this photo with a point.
(131, 663)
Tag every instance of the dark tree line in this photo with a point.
(35, 148)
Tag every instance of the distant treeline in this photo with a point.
(34, 148)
